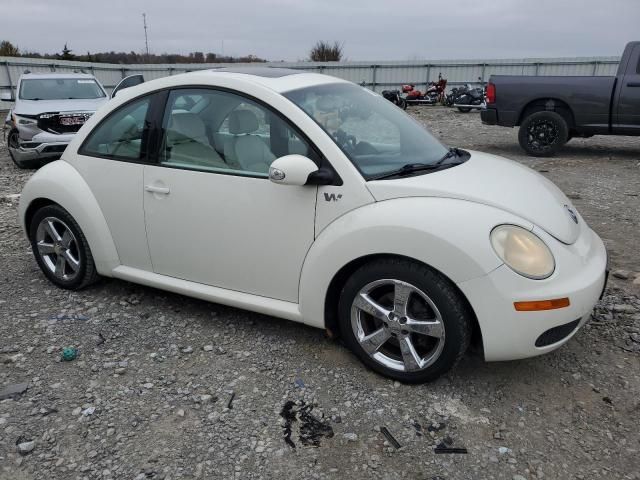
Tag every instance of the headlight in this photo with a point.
(523, 251)
(18, 120)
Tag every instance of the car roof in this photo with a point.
(275, 78)
(267, 72)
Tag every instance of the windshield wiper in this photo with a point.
(410, 168)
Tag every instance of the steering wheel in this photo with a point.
(345, 141)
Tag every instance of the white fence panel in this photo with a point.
(376, 75)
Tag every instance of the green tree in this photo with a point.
(66, 54)
(7, 49)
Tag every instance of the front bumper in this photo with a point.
(508, 334)
(41, 146)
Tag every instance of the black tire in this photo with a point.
(86, 273)
(542, 134)
(464, 109)
(453, 310)
(402, 103)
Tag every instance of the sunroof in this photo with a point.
(270, 72)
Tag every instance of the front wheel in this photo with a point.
(61, 249)
(404, 320)
(542, 134)
(402, 103)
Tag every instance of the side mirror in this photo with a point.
(130, 81)
(6, 96)
(292, 170)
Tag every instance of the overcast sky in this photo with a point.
(369, 29)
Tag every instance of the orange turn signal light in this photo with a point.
(538, 305)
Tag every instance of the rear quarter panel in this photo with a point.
(60, 183)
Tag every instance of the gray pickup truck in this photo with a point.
(552, 110)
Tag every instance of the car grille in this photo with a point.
(55, 122)
(556, 334)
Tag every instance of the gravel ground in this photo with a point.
(168, 387)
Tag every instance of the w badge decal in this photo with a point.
(332, 197)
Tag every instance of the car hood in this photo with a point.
(35, 107)
(494, 181)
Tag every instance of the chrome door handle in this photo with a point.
(154, 189)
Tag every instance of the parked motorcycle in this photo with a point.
(432, 95)
(466, 98)
(395, 97)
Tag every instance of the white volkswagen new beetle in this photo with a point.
(310, 198)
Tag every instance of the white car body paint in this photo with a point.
(274, 248)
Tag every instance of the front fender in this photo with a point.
(59, 182)
(449, 235)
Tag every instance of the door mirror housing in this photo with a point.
(6, 96)
(292, 170)
(130, 81)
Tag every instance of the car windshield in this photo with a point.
(60, 89)
(374, 134)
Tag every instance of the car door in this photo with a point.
(211, 213)
(117, 148)
(628, 108)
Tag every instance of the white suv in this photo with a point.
(50, 108)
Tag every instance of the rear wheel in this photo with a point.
(61, 249)
(402, 103)
(542, 134)
(404, 320)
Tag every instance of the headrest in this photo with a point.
(187, 124)
(242, 121)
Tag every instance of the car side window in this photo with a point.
(226, 133)
(120, 135)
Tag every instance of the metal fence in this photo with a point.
(375, 75)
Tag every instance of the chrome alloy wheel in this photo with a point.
(58, 248)
(398, 325)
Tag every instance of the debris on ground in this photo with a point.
(311, 429)
(69, 354)
(15, 390)
(390, 438)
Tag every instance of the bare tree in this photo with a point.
(7, 49)
(326, 52)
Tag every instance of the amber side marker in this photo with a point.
(539, 305)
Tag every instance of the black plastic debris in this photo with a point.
(230, 403)
(312, 430)
(13, 390)
(441, 449)
(385, 431)
(445, 446)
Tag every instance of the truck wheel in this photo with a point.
(543, 133)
